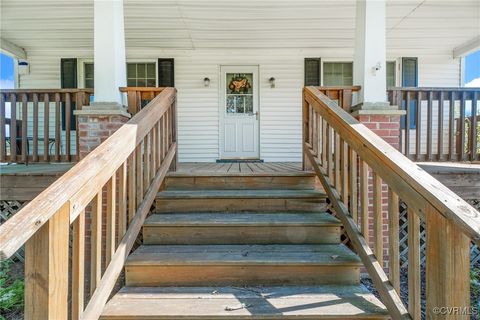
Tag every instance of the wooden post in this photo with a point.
(46, 269)
(448, 268)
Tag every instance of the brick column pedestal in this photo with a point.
(95, 124)
(385, 122)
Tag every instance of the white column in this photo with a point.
(370, 51)
(109, 51)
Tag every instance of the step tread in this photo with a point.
(311, 254)
(241, 174)
(292, 302)
(239, 194)
(241, 219)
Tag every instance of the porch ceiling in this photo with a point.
(431, 25)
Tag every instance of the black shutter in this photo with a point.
(410, 79)
(68, 80)
(312, 71)
(166, 72)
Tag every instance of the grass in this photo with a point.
(11, 291)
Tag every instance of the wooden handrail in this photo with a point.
(345, 154)
(25, 142)
(434, 127)
(125, 171)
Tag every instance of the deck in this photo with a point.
(242, 168)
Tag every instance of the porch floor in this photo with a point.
(246, 168)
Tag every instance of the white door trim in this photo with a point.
(223, 70)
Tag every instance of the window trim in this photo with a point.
(81, 69)
(333, 60)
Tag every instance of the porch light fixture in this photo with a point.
(206, 81)
(272, 82)
(376, 68)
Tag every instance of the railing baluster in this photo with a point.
(68, 114)
(111, 219)
(153, 169)
(58, 129)
(146, 159)
(414, 289)
(78, 269)
(13, 127)
(353, 184)
(2, 128)
(378, 217)
(46, 126)
(418, 129)
(139, 172)
(407, 124)
(35, 128)
(24, 127)
(394, 240)
(451, 127)
(461, 137)
(344, 171)
(364, 198)
(329, 153)
(122, 201)
(429, 125)
(440, 125)
(324, 144)
(337, 160)
(473, 130)
(131, 187)
(96, 243)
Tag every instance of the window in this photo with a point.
(391, 74)
(312, 71)
(141, 75)
(138, 74)
(88, 73)
(239, 93)
(68, 80)
(337, 73)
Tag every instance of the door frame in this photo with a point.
(255, 68)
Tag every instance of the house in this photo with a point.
(279, 105)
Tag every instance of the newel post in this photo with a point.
(448, 269)
(46, 269)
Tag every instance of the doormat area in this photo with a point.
(239, 161)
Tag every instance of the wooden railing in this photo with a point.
(343, 95)
(27, 135)
(441, 124)
(118, 180)
(356, 168)
(138, 97)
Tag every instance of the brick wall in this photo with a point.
(387, 127)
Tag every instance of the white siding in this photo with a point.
(198, 106)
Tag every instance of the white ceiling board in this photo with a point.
(435, 25)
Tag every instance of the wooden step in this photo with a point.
(207, 265)
(215, 303)
(240, 200)
(299, 181)
(241, 228)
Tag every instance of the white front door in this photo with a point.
(239, 116)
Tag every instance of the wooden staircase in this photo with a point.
(242, 247)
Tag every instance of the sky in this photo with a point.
(472, 71)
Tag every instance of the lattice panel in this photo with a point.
(474, 250)
(7, 210)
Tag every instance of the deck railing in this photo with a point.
(138, 97)
(117, 181)
(27, 135)
(441, 124)
(343, 95)
(361, 174)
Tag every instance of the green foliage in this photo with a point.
(475, 285)
(11, 290)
